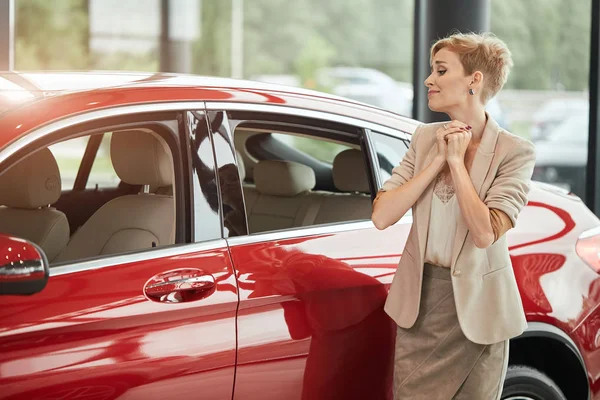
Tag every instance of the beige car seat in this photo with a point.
(131, 222)
(26, 191)
(280, 198)
(352, 202)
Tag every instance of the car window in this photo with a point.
(301, 176)
(138, 215)
(102, 174)
(318, 148)
(390, 151)
(68, 155)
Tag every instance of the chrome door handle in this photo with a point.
(179, 286)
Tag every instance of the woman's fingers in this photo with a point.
(451, 129)
(457, 124)
(447, 126)
(443, 133)
(461, 135)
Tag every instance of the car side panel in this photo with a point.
(311, 315)
(556, 286)
(94, 333)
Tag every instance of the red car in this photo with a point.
(176, 236)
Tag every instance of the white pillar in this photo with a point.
(237, 39)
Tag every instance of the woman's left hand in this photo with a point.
(457, 146)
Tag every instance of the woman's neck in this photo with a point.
(476, 119)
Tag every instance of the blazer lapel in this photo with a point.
(479, 170)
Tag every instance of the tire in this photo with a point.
(526, 383)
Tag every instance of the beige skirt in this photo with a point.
(435, 361)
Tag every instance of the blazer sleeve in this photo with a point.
(406, 169)
(511, 186)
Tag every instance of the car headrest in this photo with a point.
(241, 166)
(31, 183)
(349, 172)
(283, 178)
(141, 157)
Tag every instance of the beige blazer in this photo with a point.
(485, 290)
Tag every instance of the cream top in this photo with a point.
(445, 211)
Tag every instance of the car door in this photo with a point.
(151, 324)
(311, 323)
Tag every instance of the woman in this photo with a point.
(454, 295)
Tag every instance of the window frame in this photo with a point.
(123, 117)
(310, 120)
(220, 125)
(202, 117)
(372, 135)
(87, 162)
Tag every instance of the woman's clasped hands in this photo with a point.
(452, 140)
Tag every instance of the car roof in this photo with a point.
(65, 81)
(32, 99)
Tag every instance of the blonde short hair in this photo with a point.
(480, 52)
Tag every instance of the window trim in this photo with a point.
(135, 256)
(43, 131)
(186, 151)
(221, 158)
(302, 112)
(306, 231)
(40, 132)
(203, 117)
(374, 164)
(373, 154)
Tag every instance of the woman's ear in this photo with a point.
(477, 80)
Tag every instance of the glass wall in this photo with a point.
(361, 49)
(356, 47)
(546, 97)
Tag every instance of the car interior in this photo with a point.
(139, 214)
(287, 188)
(33, 184)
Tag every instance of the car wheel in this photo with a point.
(526, 383)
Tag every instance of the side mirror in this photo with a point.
(24, 267)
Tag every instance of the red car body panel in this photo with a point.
(305, 303)
(93, 334)
(309, 287)
(319, 298)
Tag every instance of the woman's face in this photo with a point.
(448, 86)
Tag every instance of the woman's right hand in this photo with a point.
(441, 143)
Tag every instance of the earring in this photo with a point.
(471, 92)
